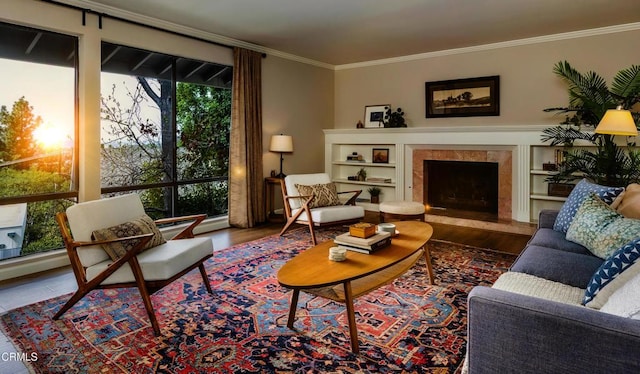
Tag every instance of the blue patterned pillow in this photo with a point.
(601, 229)
(622, 266)
(577, 196)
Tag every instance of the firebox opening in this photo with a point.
(461, 185)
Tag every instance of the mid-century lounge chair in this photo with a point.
(312, 199)
(101, 258)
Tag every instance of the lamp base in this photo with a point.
(281, 175)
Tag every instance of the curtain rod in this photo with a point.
(100, 15)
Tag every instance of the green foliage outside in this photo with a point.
(590, 97)
(203, 122)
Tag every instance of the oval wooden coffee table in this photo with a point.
(311, 271)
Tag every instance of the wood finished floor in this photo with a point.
(19, 292)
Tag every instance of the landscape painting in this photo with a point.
(463, 97)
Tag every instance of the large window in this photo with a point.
(38, 72)
(165, 130)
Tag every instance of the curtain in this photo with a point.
(246, 180)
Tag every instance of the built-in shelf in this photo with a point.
(548, 198)
(364, 183)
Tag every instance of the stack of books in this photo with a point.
(369, 245)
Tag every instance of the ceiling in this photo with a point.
(338, 32)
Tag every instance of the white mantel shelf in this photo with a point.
(521, 140)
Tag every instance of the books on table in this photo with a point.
(368, 245)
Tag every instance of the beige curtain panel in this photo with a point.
(246, 182)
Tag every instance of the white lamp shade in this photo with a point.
(617, 122)
(281, 143)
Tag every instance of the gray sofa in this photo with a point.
(526, 324)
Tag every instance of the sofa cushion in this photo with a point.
(559, 266)
(556, 240)
(139, 226)
(630, 204)
(326, 194)
(625, 301)
(333, 213)
(577, 196)
(601, 229)
(613, 274)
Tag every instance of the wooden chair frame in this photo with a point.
(145, 287)
(291, 219)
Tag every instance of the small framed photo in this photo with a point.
(380, 156)
(463, 97)
(374, 115)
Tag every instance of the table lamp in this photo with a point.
(617, 122)
(282, 144)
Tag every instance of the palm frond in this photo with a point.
(627, 82)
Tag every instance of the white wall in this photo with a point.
(527, 82)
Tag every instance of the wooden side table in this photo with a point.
(269, 183)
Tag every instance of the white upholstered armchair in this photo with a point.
(112, 243)
(312, 200)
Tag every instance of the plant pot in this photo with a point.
(375, 199)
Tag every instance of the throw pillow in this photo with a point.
(326, 194)
(601, 229)
(630, 204)
(139, 226)
(625, 301)
(577, 196)
(613, 274)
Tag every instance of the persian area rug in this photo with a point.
(405, 326)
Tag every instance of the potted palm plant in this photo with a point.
(604, 161)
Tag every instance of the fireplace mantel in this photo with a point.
(520, 140)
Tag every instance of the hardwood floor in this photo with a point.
(26, 290)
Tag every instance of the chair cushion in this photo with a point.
(601, 229)
(326, 194)
(290, 182)
(333, 214)
(139, 226)
(159, 263)
(577, 196)
(97, 214)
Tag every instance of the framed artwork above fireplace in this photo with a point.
(463, 97)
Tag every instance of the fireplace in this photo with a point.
(502, 157)
(461, 185)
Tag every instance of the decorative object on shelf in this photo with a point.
(463, 97)
(362, 175)
(354, 156)
(560, 189)
(359, 125)
(549, 166)
(394, 118)
(374, 192)
(379, 180)
(590, 99)
(374, 115)
(273, 174)
(380, 155)
(282, 144)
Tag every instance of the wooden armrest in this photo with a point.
(188, 231)
(352, 199)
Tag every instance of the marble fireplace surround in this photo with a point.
(502, 157)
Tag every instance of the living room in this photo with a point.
(314, 100)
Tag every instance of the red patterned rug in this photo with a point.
(406, 326)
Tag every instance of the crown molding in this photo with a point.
(187, 31)
(507, 44)
(230, 42)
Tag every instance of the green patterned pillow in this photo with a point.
(139, 226)
(600, 228)
(326, 194)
